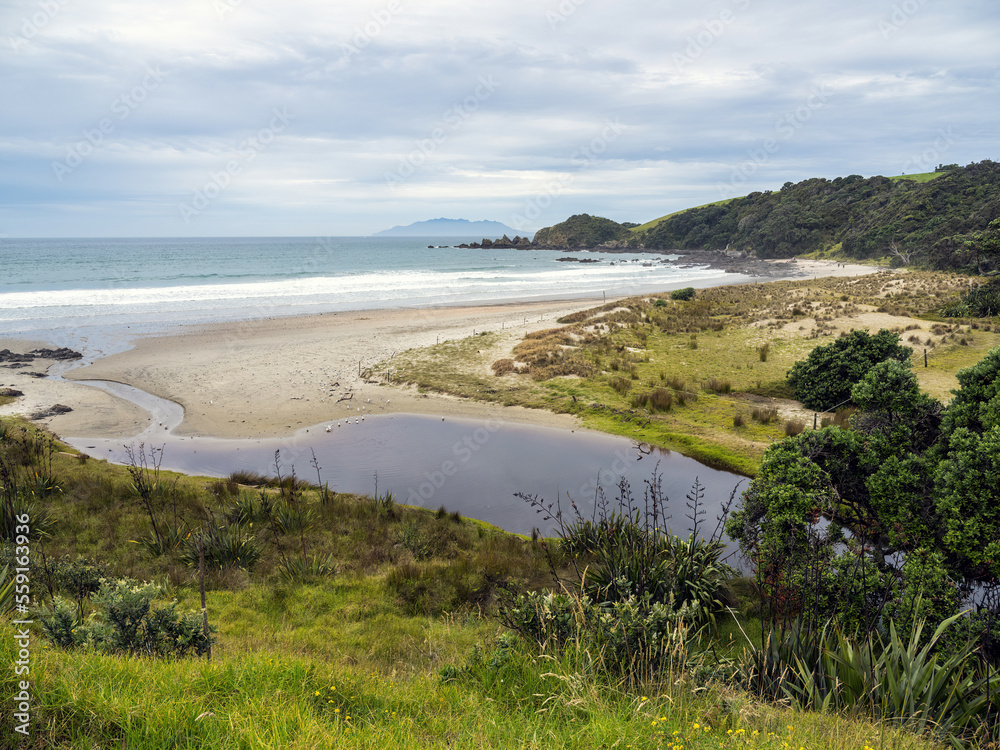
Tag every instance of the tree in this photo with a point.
(898, 511)
(823, 381)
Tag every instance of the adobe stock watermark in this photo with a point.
(562, 12)
(926, 160)
(712, 29)
(463, 450)
(786, 126)
(363, 35)
(22, 629)
(224, 7)
(451, 120)
(122, 107)
(582, 157)
(33, 25)
(248, 150)
(619, 467)
(899, 16)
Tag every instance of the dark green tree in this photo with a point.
(824, 380)
(899, 511)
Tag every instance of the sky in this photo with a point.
(319, 118)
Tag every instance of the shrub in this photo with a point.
(303, 569)
(763, 350)
(225, 547)
(825, 378)
(251, 478)
(739, 420)
(891, 680)
(687, 293)
(169, 539)
(247, 511)
(981, 302)
(126, 623)
(639, 588)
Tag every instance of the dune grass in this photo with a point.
(603, 363)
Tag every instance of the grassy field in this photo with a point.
(922, 177)
(719, 360)
(391, 644)
(654, 222)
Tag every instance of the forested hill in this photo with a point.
(940, 223)
(582, 230)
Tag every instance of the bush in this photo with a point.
(824, 380)
(247, 511)
(981, 302)
(503, 366)
(630, 557)
(126, 623)
(687, 293)
(890, 680)
(225, 547)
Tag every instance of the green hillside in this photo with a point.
(940, 220)
(922, 177)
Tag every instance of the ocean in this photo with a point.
(79, 292)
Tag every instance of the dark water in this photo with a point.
(473, 467)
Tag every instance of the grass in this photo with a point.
(922, 177)
(291, 701)
(654, 222)
(355, 659)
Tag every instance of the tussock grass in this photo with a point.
(764, 414)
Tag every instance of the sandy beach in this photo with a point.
(271, 377)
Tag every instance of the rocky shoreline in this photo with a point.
(727, 262)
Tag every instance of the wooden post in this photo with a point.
(204, 607)
(925, 358)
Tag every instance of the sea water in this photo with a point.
(76, 292)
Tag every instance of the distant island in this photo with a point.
(449, 228)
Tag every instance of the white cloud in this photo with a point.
(697, 87)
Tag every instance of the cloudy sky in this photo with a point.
(311, 117)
